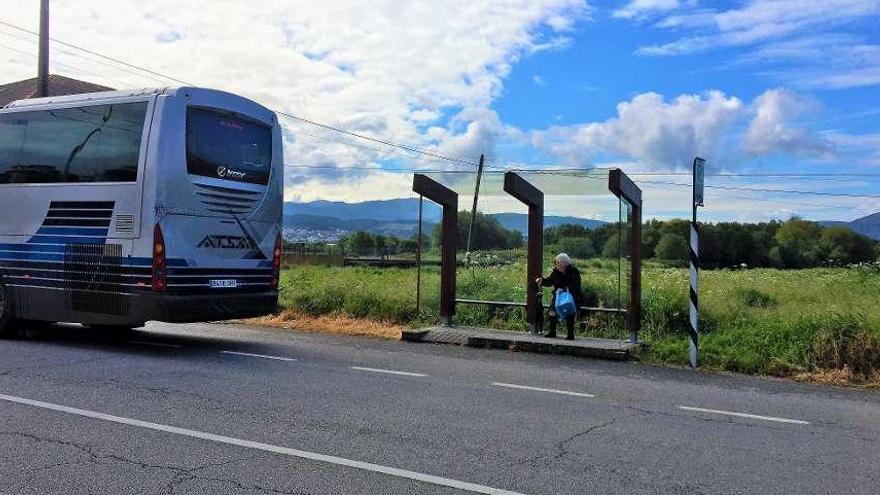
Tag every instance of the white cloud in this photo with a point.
(786, 33)
(389, 69)
(763, 19)
(849, 66)
(760, 21)
(660, 134)
(864, 147)
(348, 187)
(770, 130)
(639, 8)
(539, 80)
(383, 68)
(655, 132)
(833, 60)
(481, 132)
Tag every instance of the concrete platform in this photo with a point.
(520, 341)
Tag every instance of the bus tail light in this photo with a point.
(160, 268)
(276, 261)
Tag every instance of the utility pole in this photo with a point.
(43, 64)
(467, 256)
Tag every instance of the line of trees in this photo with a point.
(488, 233)
(367, 244)
(795, 243)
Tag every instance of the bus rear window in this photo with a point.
(98, 143)
(226, 147)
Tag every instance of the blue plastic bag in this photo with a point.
(565, 305)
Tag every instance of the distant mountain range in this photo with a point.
(321, 223)
(868, 226)
(397, 217)
(388, 210)
(394, 217)
(519, 221)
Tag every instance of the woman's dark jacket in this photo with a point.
(570, 280)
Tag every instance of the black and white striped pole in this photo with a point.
(699, 165)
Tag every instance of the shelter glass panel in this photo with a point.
(582, 218)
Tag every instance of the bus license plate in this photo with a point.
(223, 284)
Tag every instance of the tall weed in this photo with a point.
(753, 321)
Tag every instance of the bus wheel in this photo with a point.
(6, 322)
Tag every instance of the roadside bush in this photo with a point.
(612, 247)
(841, 245)
(674, 263)
(672, 247)
(847, 344)
(665, 311)
(754, 298)
(577, 247)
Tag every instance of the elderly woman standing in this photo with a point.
(564, 276)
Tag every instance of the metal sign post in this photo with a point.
(698, 182)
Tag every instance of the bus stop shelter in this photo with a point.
(532, 191)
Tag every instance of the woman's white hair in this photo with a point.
(564, 259)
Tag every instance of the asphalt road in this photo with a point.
(233, 409)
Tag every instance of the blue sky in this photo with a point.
(754, 86)
(605, 62)
(600, 68)
(586, 79)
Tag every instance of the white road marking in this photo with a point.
(155, 344)
(536, 389)
(263, 356)
(744, 415)
(389, 372)
(248, 444)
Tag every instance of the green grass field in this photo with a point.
(754, 321)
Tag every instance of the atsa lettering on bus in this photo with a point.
(227, 173)
(226, 242)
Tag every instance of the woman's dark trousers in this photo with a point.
(569, 326)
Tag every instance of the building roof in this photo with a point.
(58, 86)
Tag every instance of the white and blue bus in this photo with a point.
(123, 207)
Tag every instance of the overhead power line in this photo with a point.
(422, 153)
(94, 53)
(767, 190)
(745, 175)
(378, 150)
(77, 55)
(578, 171)
(411, 149)
(766, 200)
(376, 169)
(385, 142)
(60, 64)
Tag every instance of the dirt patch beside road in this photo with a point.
(337, 323)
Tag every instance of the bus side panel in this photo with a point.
(5, 242)
(72, 259)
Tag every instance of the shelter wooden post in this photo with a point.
(525, 192)
(624, 188)
(448, 199)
